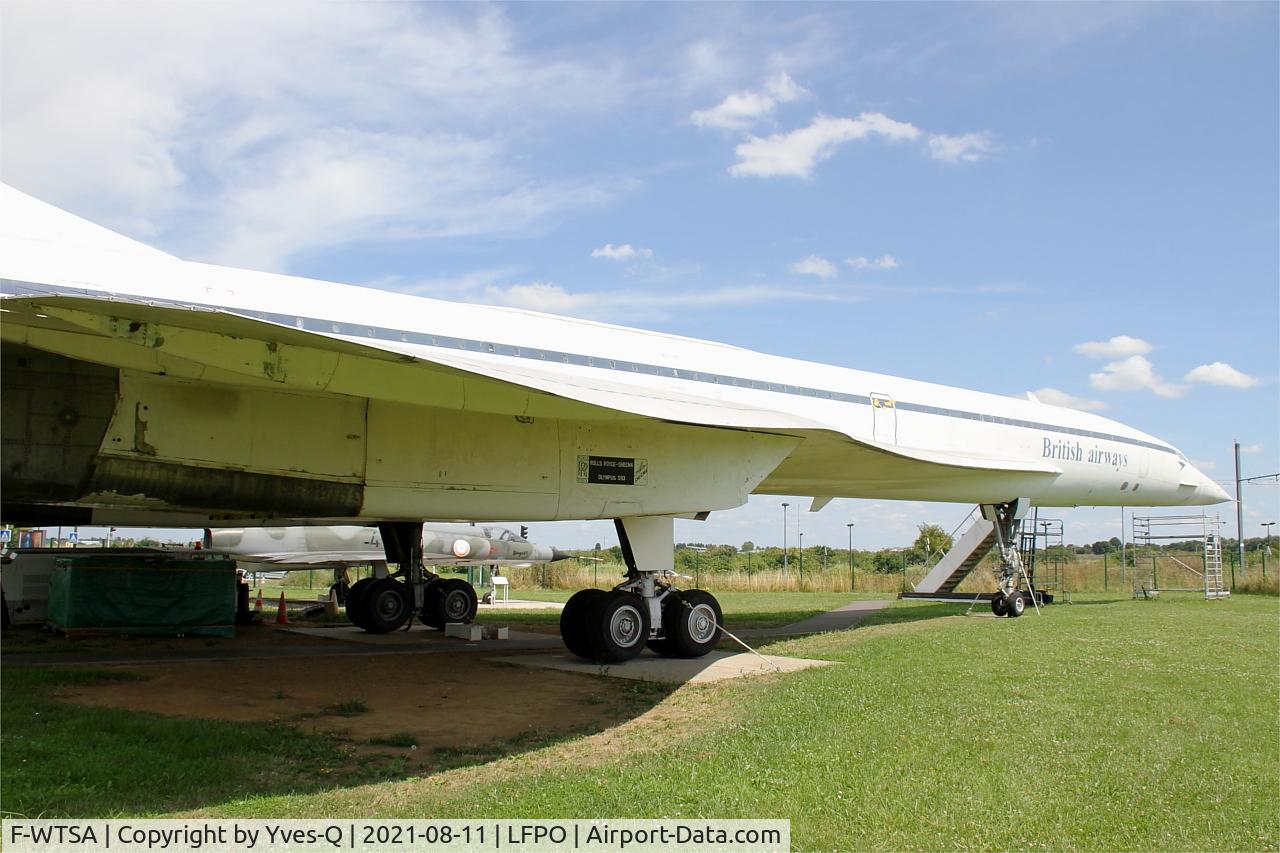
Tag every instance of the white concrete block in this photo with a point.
(473, 633)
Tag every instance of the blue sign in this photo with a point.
(6, 535)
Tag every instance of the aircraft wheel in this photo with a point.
(386, 605)
(355, 602)
(432, 612)
(1016, 604)
(458, 601)
(664, 646)
(999, 605)
(617, 626)
(691, 622)
(573, 621)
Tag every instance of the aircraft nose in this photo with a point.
(1216, 493)
(1208, 492)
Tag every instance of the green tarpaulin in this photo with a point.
(144, 595)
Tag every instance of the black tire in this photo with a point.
(691, 623)
(355, 603)
(458, 602)
(999, 606)
(432, 612)
(573, 621)
(617, 626)
(1017, 602)
(386, 606)
(664, 646)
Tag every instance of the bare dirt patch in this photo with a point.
(445, 702)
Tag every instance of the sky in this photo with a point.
(1079, 200)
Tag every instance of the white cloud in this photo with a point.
(815, 265)
(1252, 448)
(622, 252)
(1054, 397)
(968, 147)
(1117, 347)
(1132, 374)
(1220, 373)
(884, 262)
(741, 110)
(284, 127)
(795, 153)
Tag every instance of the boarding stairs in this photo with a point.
(963, 558)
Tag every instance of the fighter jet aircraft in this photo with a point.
(339, 547)
(146, 390)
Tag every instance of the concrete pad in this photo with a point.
(716, 666)
(418, 635)
(833, 620)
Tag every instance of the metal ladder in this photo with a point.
(1213, 585)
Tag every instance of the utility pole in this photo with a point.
(1266, 546)
(784, 538)
(1239, 510)
(801, 546)
(851, 575)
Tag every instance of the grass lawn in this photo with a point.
(1105, 724)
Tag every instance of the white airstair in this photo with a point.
(963, 558)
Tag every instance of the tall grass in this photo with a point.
(1084, 573)
(1079, 573)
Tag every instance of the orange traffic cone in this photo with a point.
(257, 605)
(331, 606)
(282, 617)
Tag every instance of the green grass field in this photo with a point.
(1105, 724)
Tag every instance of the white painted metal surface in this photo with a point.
(428, 409)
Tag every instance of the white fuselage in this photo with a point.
(577, 419)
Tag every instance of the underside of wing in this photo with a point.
(260, 349)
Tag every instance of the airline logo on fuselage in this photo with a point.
(1074, 451)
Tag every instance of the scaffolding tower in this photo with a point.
(1036, 536)
(1152, 530)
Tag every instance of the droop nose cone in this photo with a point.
(1207, 492)
(1215, 494)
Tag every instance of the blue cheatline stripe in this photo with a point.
(382, 333)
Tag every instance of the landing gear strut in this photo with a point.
(1009, 599)
(385, 602)
(612, 626)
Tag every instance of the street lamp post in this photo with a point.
(1266, 546)
(800, 545)
(784, 538)
(851, 576)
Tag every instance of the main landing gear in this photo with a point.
(385, 602)
(615, 625)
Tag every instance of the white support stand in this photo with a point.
(501, 583)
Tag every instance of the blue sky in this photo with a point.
(960, 193)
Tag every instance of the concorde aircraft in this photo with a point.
(339, 547)
(144, 390)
